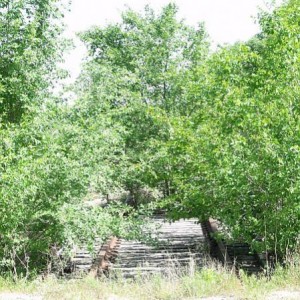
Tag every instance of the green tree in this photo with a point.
(244, 153)
(138, 72)
(29, 49)
(50, 164)
(157, 49)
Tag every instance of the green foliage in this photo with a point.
(157, 49)
(49, 164)
(50, 160)
(137, 73)
(157, 116)
(216, 134)
(244, 155)
(29, 48)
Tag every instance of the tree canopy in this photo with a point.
(29, 49)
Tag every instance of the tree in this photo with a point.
(244, 151)
(29, 48)
(51, 164)
(138, 72)
(157, 49)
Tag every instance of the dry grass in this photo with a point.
(213, 280)
(207, 282)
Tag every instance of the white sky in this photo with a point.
(226, 20)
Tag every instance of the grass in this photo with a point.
(212, 280)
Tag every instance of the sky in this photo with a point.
(227, 21)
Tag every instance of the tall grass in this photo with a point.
(212, 280)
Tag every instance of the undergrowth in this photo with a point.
(213, 280)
